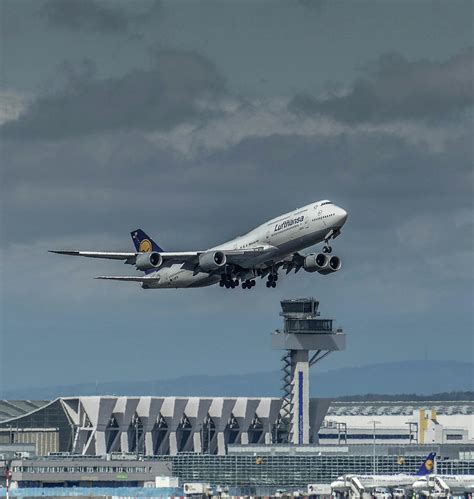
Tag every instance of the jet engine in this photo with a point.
(211, 260)
(148, 260)
(334, 265)
(313, 263)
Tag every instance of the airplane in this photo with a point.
(436, 485)
(370, 482)
(264, 251)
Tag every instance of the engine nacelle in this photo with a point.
(211, 260)
(334, 265)
(148, 260)
(315, 263)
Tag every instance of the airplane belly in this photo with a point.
(185, 278)
(302, 241)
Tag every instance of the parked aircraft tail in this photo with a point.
(143, 242)
(428, 465)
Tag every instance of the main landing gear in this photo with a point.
(248, 284)
(228, 282)
(272, 279)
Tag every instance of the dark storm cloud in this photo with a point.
(83, 185)
(158, 98)
(396, 88)
(93, 15)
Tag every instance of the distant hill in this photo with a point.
(412, 378)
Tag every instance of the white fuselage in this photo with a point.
(455, 483)
(281, 236)
(370, 482)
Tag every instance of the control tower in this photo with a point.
(304, 333)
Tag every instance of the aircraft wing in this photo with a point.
(130, 257)
(128, 278)
(292, 262)
(239, 257)
(112, 255)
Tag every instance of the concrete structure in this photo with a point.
(152, 426)
(302, 332)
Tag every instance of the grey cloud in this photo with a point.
(155, 99)
(84, 184)
(396, 88)
(93, 15)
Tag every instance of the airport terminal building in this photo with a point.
(227, 441)
(288, 441)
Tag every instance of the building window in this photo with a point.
(453, 436)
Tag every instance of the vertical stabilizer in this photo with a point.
(143, 242)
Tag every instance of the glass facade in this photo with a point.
(297, 307)
(308, 325)
(295, 471)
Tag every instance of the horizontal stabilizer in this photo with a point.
(131, 278)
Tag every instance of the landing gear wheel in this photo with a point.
(274, 284)
(252, 283)
(227, 284)
(244, 285)
(268, 284)
(221, 284)
(329, 249)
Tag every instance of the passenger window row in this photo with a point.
(324, 216)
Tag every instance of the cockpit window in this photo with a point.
(327, 202)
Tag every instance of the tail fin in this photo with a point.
(143, 242)
(427, 465)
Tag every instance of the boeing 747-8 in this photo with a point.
(264, 251)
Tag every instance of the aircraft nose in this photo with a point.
(342, 216)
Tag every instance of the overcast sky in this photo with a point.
(199, 120)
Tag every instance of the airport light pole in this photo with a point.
(8, 477)
(374, 422)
